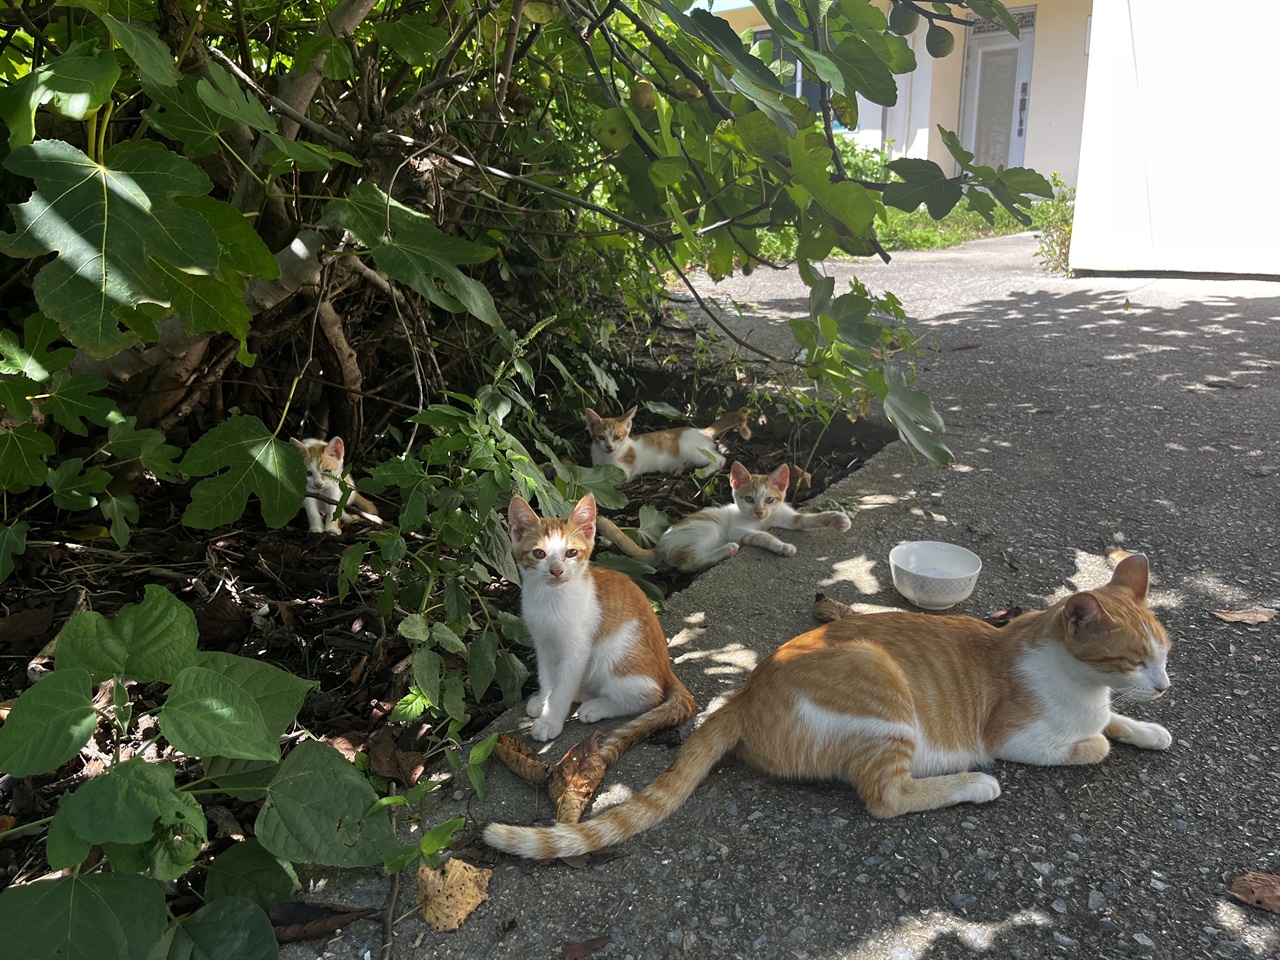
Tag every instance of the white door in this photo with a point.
(996, 101)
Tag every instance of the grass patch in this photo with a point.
(918, 231)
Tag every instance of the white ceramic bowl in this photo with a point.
(934, 575)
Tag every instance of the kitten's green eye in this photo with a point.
(539, 554)
(570, 554)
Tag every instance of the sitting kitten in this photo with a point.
(904, 705)
(661, 451)
(703, 539)
(325, 476)
(597, 639)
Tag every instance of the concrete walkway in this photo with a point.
(1084, 414)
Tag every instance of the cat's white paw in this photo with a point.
(316, 528)
(536, 705)
(787, 550)
(333, 527)
(733, 549)
(546, 728)
(1149, 736)
(837, 521)
(593, 710)
(981, 788)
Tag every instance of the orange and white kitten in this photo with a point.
(668, 451)
(905, 705)
(325, 476)
(703, 539)
(598, 641)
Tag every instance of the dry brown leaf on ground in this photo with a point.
(576, 951)
(575, 779)
(1001, 617)
(521, 759)
(384, 756)
(1261, 890)
(1252, 615)
(449, 895)
(827, 610)
(296, 921)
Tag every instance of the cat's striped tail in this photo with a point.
(678, 707)
(733, 420)
(609, 530)
(718, 735)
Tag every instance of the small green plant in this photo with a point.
(1053, 219)
(223, 716)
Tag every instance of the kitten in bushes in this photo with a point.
(904, 706)
(709, 536)
(598, 641)
(669, 451)
(325, 476)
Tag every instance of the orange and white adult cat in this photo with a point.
(905, 705)
(598, 641)
(325, 476)
(709, 536)
(668, 451)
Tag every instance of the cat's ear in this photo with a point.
(583, 518)
(1082, 611)
(593, 418)
(299, 444)
(335, 448)
(521, 520)
(626, 417)
(739, 476)
(781, 478)
(1133, 573)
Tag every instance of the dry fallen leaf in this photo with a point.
(827, 610)
(575, 779)
(1260, 890)
(449, 895)
(521, 759)
(1252, 615)
(1002, 617)
(576, 951)
(295, 921)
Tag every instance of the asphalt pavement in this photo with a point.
(1085, 414)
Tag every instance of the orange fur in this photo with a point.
(904, 705)
(661, 450)
(596, 636)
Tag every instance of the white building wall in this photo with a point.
(1180, 152)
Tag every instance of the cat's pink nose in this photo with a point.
(556, 570)
(1160, 690)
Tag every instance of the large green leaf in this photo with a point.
(849, 203)
(206, 303)
(22, 453)
(119, 512)
(865, 72)
(912, 412)
(923, 182)
(225, 96)
(279, 694)
(126, 803)
(127, 443)
(160, 635)
(62, 848)
(415, 37)
(89, 642)
(75, 488)
(248, 870)
(13, 541)
(96, 915)
(32, 358)
(231, 928)
(207, 714)
(316, 809)
(107, 221)
(407, 245)
(48, 725)
(186, 117)
(253, 461)
(72, 399)
(74, 85)
(155, 62)
(239, 245)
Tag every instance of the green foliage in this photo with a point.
(318, 806)
(1053, 219)
(252, 461)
